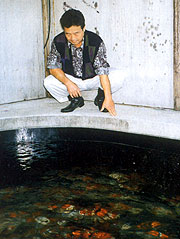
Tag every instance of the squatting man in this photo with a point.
(78, 62)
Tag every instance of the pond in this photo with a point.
(58, 183)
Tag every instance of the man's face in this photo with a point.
(74, 35)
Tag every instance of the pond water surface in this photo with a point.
(54, 188)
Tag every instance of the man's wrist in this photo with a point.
(107, 95)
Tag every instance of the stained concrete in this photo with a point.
(21, 51)
(46, 112)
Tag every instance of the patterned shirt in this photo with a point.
(100, 64)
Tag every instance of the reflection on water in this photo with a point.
(53, 188)
(23, 135)
(24, 148)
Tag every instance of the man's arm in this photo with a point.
(72, 88)
(54, 65)
(102, 69)
(108, 101)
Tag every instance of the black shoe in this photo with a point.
(75, 103)
(98, 101)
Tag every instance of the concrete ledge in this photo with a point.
(44, 113)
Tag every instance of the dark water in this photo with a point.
(57, 187)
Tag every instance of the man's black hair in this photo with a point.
(71, 18)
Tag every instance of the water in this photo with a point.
(52, 186)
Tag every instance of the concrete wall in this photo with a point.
(21, 50)
(139, 39)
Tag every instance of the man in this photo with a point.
(78, 62)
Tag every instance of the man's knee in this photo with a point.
(48, 81)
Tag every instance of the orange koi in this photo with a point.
(52, 207)
(155, 224)
(101, 235)
(146, 225)
(65, 206)
(102, 212)
(158, 234)
(77, 233)
(87, 212)
(13, 215)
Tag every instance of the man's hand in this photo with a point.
(108, 101)
(110, 106)
(73, 89)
